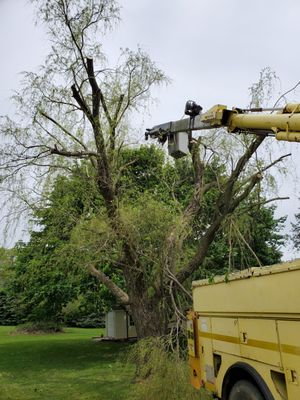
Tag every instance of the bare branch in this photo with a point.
(262, 203)
(246, 243)
(68, 24)
(284, 94)
(73, 137)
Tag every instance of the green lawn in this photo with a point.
(64, 366)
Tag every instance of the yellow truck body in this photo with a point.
(245, 327)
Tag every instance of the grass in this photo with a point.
(67, 366)
(70, 366)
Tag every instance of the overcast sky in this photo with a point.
(213, 50)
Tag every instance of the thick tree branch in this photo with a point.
(97, 93)
(180, 231)
(95, 89)
(226, 204)
(91, 75)
(82, 104)
(203, 247)
(76, 154)
(238, 200)
(115, 121)
(120, 295)
(118, 109)
(226, 197)
(104, 180)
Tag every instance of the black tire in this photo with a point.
(245, 390)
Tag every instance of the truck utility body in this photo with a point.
(244, 334)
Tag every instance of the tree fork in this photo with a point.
(226, 204)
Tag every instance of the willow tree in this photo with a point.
(77, 109)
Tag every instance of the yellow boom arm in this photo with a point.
(283, 125)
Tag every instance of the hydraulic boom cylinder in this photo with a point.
(266, 122)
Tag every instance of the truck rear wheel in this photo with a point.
(245, 390)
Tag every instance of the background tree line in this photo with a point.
(48, 279)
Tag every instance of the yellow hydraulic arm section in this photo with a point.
(283, 124)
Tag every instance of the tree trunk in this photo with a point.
(149, 315)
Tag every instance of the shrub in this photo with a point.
(160, 374)
(39, 327)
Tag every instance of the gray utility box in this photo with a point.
(119, 325)
(178, 144)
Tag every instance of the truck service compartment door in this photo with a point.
(289, 336)
(225, 335)
(259, 340)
